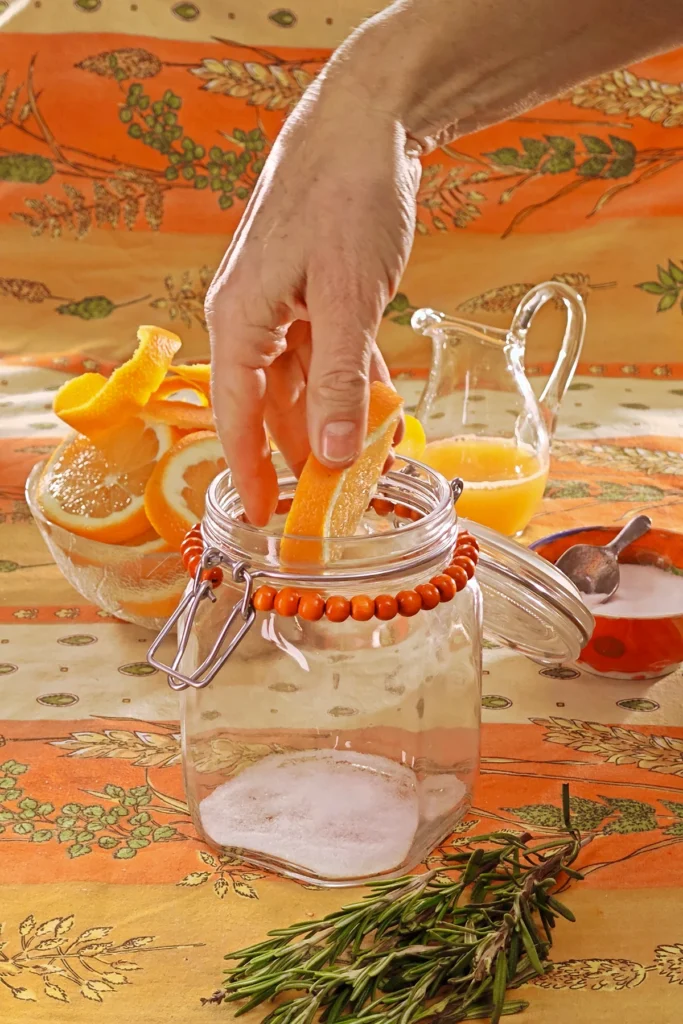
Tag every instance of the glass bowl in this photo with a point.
(139, 587)
(628, 648)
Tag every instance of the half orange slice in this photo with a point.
(331, 502)
(96, 496)
(175, 492)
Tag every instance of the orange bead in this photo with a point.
(458, 575)
(194, 552)
(468, 552)
(263, 599)
(287, 602)
(215, 576)
(283, 506)
(191, 540)
(311, 607)
(402, 511)
(468, 540)
(386, 607)
(429, 595)
(382, 506)
(465, 563)
(193, 563)
(337, 609)
(445, 585)
(362, 607)
(409, 602)
(465, 536)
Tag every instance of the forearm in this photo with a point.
(444, 68)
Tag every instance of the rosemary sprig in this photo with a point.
(436, 948)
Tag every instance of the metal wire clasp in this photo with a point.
(457, 487)
(189, 606)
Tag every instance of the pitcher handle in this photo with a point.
(572, 342)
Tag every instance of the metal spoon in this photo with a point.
(595, 570)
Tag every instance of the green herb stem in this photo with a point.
(441, 947)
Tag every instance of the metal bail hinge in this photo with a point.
(190, 603)
(457, 487)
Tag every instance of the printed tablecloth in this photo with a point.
(111, 908)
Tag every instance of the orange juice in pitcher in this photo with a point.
(504, 482)
(481, 418)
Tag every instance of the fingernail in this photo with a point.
(339, 441)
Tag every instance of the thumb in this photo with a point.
(338, 383)
(337, 394)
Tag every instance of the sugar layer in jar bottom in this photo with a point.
(336, 814)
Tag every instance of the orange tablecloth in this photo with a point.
(112, 909)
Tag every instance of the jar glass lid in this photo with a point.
(529, 605)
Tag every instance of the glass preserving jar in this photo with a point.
(342, 751)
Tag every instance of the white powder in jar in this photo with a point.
(645, 592)
(336, 814)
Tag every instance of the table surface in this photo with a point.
(134, 911)
(111, 908)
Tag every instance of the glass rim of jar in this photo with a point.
(414, 546)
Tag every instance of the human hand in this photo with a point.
(294, 309)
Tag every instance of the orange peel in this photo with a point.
(90, 404)
(195, 373)
(183, 415)
(176, 386)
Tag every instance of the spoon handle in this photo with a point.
(631, 532)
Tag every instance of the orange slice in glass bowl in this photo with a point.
(100, 496)
(91, 404)
(144, 603)
(149, 543)
(331, 502)
(175, 491)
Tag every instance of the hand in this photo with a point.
(294, 309)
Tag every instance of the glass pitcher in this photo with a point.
(480, 415)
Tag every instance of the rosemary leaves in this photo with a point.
(440, 947)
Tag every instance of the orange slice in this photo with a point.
(175, 492)
(84, 491)
(155, 605)
(414, 441)
(331, 502)
(149, 543)
(92, 404)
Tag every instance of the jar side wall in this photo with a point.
(335, 752)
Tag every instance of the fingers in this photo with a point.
(343, 327)
(286, 397)
(239, 355)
